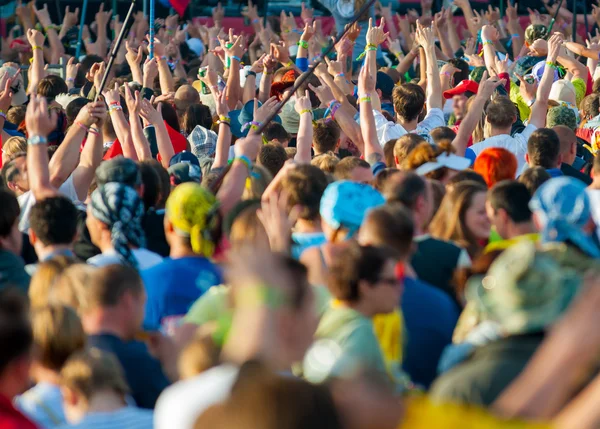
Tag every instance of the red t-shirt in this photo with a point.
(11, 418)
(178, 141)
(585, 133)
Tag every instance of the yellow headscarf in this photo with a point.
(192, 210)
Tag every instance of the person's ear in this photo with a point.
(396, 160)
(32, 237)
(12, 186)
(379, 93)
(573, 148)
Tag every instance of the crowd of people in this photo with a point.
(251, 231)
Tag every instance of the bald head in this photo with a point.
(185, 96)
(568, 143)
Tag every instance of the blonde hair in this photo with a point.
(248, 229)
(57, 334)
(14, 145)
(44, 279)
(256, 183)
(92, 371)
(200, 354)
(326, 162)
(70, 288)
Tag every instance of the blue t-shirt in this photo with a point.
(173, 286)
(430, 317)
(303, 240)
(143, 372)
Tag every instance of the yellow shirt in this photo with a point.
(423, 414)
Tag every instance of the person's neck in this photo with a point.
(41, 374)
(518, 229)
(407, 125)
(44, 251)
(361, 306)
(308, 226)
(105, 321)
(595, 183)
(179, 250)
(105, 402)
(500, 131)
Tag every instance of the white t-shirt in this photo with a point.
(180, 404)
(387, 130)
(27, 201)
(517, 144)
(145, 258)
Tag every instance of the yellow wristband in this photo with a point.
(302, 112)
(33, 48)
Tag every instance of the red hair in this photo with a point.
(496, 164)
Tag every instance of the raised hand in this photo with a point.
(103, 17)
(280, 53)
(133, 56)
(554, 44)
(354, 32)
(237, 48)
(366, 82)
(150, 70)
(487, 86)
(72, 70)
(309, 31)
(35, 38)
(302, 102)
(218, 14)
(334, 68)
(492, 14)
(6, 95)
(375, 35)
(221, 106)
(149, 113)
(323, 93)
(251, 12)
(527, 89)
(98, 112)
(489, 33)
(263, 112)
(259, 65)
(306, 14)
(113, 95)
(501, 66)
(42, 15)
(38, 121)
(424, 37)
(511, 11)
(278, 223)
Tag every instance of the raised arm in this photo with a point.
(489, 35)
(235, 53)
(540, 107)
(91, 155)
(37, 73)
(165, 77)
(224, 134)
(39, 126)
(138, 138)
(467, 126)
(305, 129)
(434, 86)
(56, 47)
(119, 122)
(102, 19)
(154, 117)
(249, 91)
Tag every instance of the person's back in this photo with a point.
(12, 268)
(430, 317)
(95, 390)
(489, 370)
(112, 317)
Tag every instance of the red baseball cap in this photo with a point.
(461, 88)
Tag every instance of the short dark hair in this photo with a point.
(305, 185)
(325, 135)
(344, 168)
(405, 188)
(272, 156)
(353, 264)
(464, 175)
(16, 334)
(108, 285)
(196, 114)
(513, 197)
(10, 211)
(533, 178)
(409, 100)
(439, 134)
(276, 131)
(151, 182)
(463, 70)
(51, 86)
(164, 181)
(501, 112)
(54, 220)
(393, 227)
(590, 105)
(73, 109)
(543, 148)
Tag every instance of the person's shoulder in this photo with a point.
(180, 404)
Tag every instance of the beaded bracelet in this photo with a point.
(244, 160)
(303, 44)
